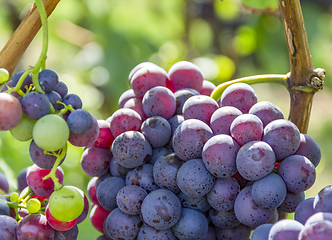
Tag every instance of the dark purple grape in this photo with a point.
(130, 198)
(318, 231)
(207, 88)
(304, 210)
(147, 233)
(165, 171)
(239, 95)
(159, 101)
(219, 155)
(322, 202)
(261, 232)
(131, 149)
(4, 185)
(191, 225)
(240, 232)
(224, 219)
(246, 128)
(222, 119)
(292, 200)
(117, 170)
(122, 226)
(85, 211)
(298, 173)
(309, 148)
(194, 179)
(181, 96)
(53, 97)
(70, 234)
(95, 161)
(22, 179)
(80, 121)
(158, 152)
(157, 130)
(286, 229)
(73, 100)
(87, 139)
(248, 212)
(211, 234)
(200, 204)
(318, 217)
(142, 176)
(175, 121)
(199, 107)
(283, 136)
(189, 139)
(255, 160)
(34, 226)
(26, 82)
(161, 209)
(35, 105)
(125, 96)
(269, 192)
(266, 112)
(4, 209)
(62, 89)
(223, 194)
(107, 191)
(185, 74)
(8, 227)
(48, 80)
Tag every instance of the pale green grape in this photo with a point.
(66, 204)
(23, 131)
(50, 132)
(14, 197)
(4, 75)
(33, 205)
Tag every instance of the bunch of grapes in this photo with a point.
(40, 110)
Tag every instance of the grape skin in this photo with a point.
(147, 233)
(224, 219)
(309, 148)
(292, 200)
(70, 234)
(8, 227)
(10, 112)
(98, 216)
(266, 111)
(318, 231)
(95, 161)
(200, 204)
(35, 226)
(107, 191)
(222, 119)
(181, 96)
(261, 232)
(48, 80)
(286, 229)
(322, 202)
(130, 198)
(157, 130)
(35, 105)
(79, 121)
(142, 176)
(240, 232)
(125, 96)
(207, 88)
(305, 210)
(23, 130)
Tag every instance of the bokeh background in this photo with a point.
(94, 45)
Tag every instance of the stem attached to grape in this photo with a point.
(266, 78)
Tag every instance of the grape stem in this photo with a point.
(266, 78)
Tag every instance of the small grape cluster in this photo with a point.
(173, 163)
(40, 110)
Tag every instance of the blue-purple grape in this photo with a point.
(53, 97)
(35, 105)
(130, 198)
(318, 231)
(261, 232)
(4, 209)
(26, 82)
(322, 202)
(48, 80)
(117, 170)
(266, 111)
(80, 121)
(95, 161)
(304, 210)
(222, 119)
(107, 191)
(8, 227)
(309, 148)
(22, 179)
(240, 232)
(158, 152)
(318, 217)
(200, 204)
(286, 229)
(292, 200)
(142, 176)
(70, 234)
(181, 96)
(157, 130)
(74, 100)
(224, 219)
(175, 121)
(147, 233)
(62, 89)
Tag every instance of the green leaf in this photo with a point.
(261, 6)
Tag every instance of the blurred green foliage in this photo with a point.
(94, 45)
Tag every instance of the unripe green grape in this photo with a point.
(14, 197)
(50, 132)
(4, 75)
(23, 131)
(33, 205)
(66, 204)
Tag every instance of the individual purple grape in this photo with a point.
(117, 170)
(131, 149)
(146, 233)
(200, 204)
(286, 229)
(309, 148)
(292, 200)
(41, 159)
(8, 227)
(73, 100)
(158, 152)
(161, 209)
(239, 95)
(266, 112)
(318, 231)
(86, 139)
(138, 67)
(185, 74)
(255, 160)
(48, 80)
(181, 96)
(269, 192)
(70, 234)
(95, 162)
(62, 89)
(211, 234)
(207, 88)
(298, 173)
(10, 112)
(159, 101)
(35, 105)
(148, 77)
(246, 128)
(199, 107)
(322, 202)
(157, 130)
(80, 121)
(222, 119)
(219, 155)
(107, 191)
(86, 208)
(53, 97)
(130, 198)
(240, 232)
(318, 217)
(304, 210)
(223, 194)
(283, 136)
(102, 178)
(26, 82)
(136, 104)
(189, 139)
(248, 212)
(22, 179)
(125, 96)
(194, 179)
(4, 209)
(35, 226)
(191, 225)
(4, 185)
(165, 171)
(122, 226)
(224, 219)
(175, 121)
(142, 176)
(261, 232)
